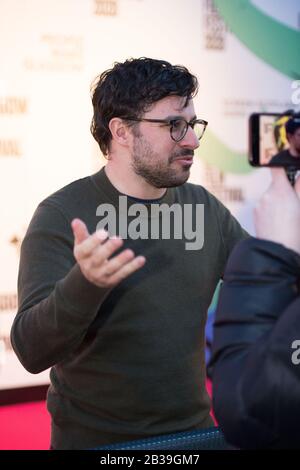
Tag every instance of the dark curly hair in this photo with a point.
(293, 124)
(130, 88)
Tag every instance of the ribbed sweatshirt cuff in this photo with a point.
(82, 295)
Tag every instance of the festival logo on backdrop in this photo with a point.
(105, 7)
(56, 53)
(214, 27)
(11, 106)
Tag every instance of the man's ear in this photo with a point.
(120, 131)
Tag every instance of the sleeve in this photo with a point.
(255, 383)
(230, 230)
(56, 302)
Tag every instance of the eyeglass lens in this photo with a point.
(179, 129)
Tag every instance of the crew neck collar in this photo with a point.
(102, 183)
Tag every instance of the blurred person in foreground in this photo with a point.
(120, 317)
(256, 348)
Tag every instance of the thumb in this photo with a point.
(80, 231)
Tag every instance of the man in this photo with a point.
(256, 348)
(121, 321)
(290, 156)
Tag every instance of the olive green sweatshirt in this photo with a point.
(126, 362)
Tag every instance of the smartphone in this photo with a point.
(268, 139)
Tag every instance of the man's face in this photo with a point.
(294, 141)
(156, 157)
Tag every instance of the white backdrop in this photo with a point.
(51, 51)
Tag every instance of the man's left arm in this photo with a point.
(231, 231)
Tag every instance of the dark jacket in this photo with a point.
(256, 349)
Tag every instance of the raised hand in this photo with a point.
(93, 254)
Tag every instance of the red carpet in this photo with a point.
(25, 426)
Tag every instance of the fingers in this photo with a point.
(80, 231)
(104, 251)
(117, 262)
(86, 248)
(126, 270)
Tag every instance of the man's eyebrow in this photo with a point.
(172, 117)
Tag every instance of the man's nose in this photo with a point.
(190, 139)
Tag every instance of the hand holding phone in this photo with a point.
(277, 215)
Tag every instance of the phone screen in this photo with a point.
(272, 136)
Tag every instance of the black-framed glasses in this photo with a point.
(178, 126)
